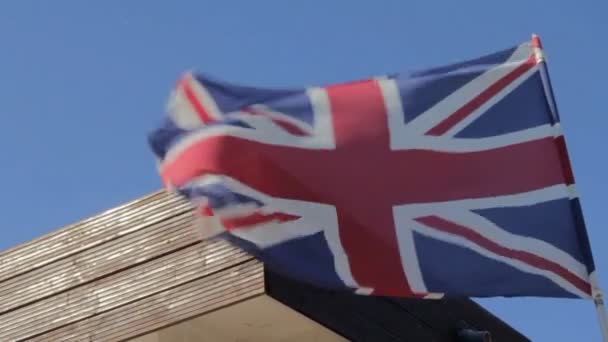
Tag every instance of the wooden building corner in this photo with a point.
(140, 272)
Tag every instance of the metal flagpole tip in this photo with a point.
(538, 48)
(536, 41)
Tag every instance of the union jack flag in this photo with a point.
(453, 180)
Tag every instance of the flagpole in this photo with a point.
(596, 292)
(598, 299)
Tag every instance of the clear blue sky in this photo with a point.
(82, 84)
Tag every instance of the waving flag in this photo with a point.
(453, 180)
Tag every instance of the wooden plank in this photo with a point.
(91, 232)
(166, 308)
(119, 289)
(64, 274)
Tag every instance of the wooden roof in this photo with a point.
(141, 267)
